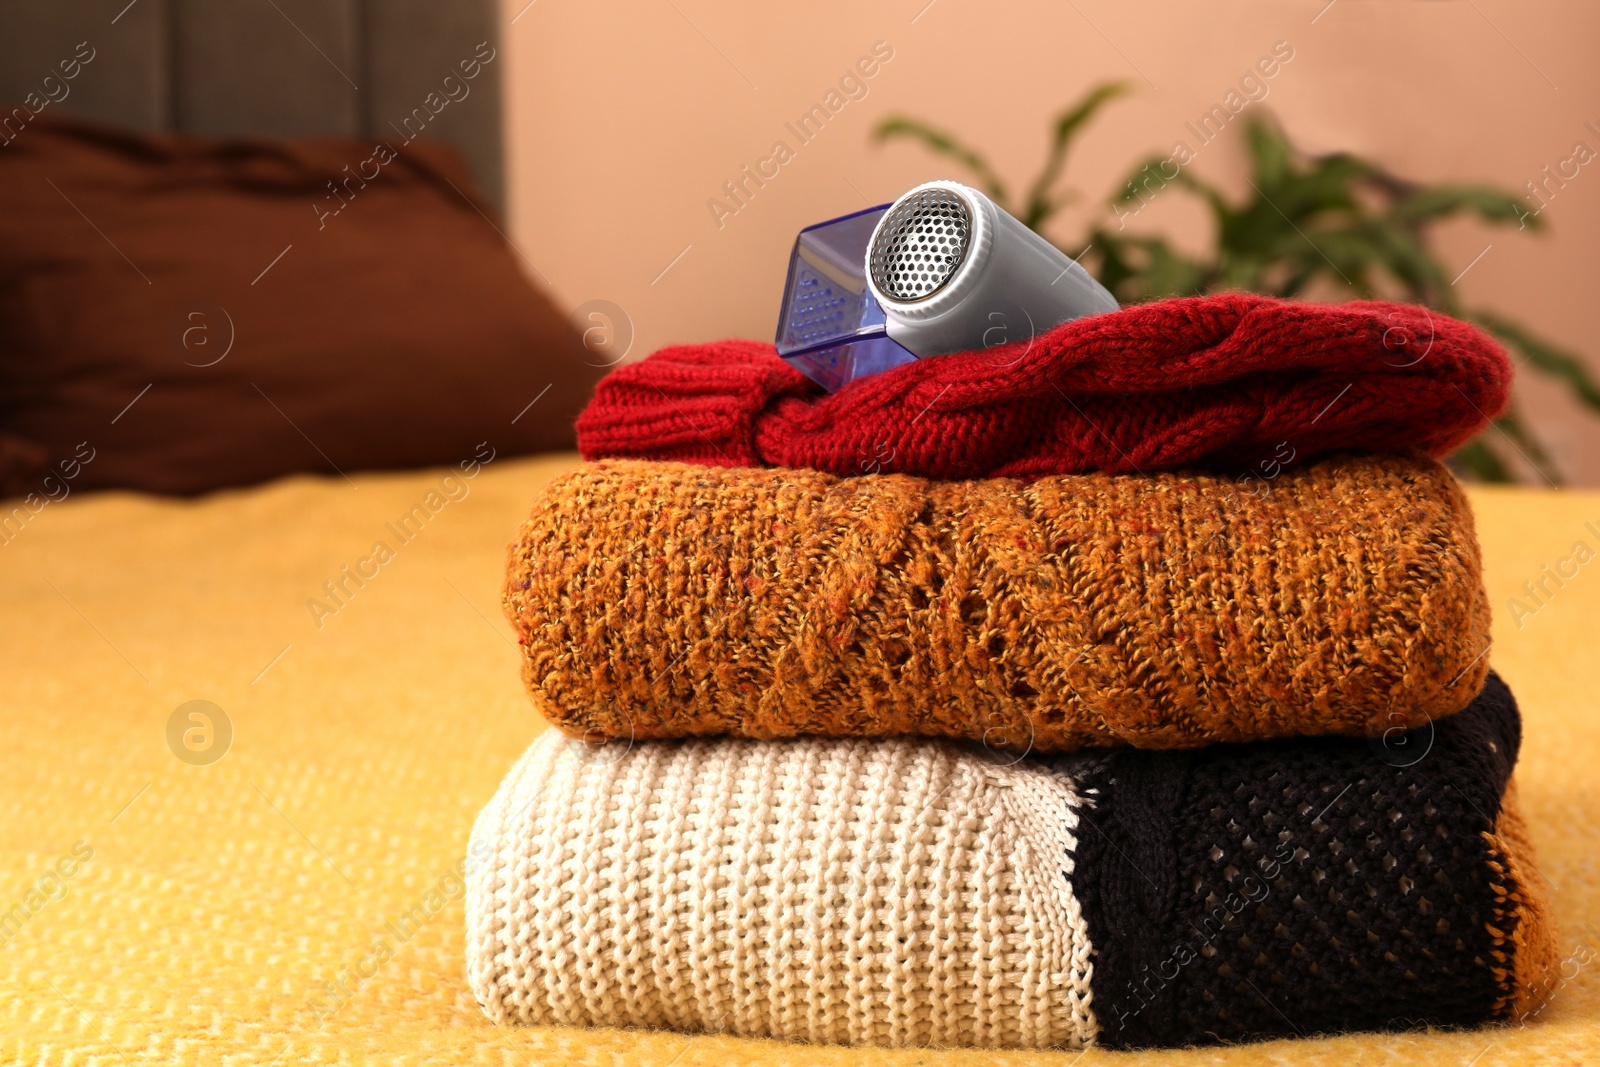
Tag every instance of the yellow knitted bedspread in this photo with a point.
(297, 899)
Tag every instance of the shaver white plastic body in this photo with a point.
(954, 272)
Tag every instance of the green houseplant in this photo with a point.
(1306, 222)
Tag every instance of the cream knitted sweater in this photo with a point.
(884, 892)
(916, 892)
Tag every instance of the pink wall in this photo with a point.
(627, 118)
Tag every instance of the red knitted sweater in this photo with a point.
(1235, 380)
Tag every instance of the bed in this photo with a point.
(242, 754)
(294, 900)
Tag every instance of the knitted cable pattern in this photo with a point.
(1170, 611)
(913, 892)
(1200, 380)
(870, 893)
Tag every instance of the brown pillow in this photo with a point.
(197, 313)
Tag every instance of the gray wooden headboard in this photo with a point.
(278, 68)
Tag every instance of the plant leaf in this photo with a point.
(1442, 201)
(1133, 186)
(1510, 424)
(1479, 459)
(947, 145)
(1138, 268)
(1554, 361)
(1270, 152)
(1039, 206)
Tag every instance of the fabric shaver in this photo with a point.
(942, 269)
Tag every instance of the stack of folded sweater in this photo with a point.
(1124, 687)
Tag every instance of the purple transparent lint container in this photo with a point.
(830, 327)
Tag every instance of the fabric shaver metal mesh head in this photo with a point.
(943, 269)
(919, 244)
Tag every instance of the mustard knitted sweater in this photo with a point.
(1172, 610)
